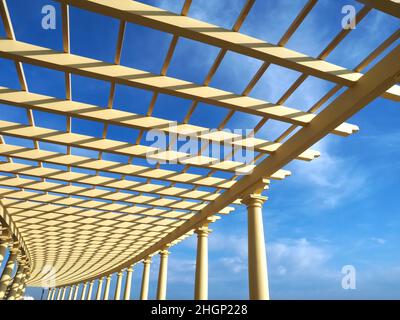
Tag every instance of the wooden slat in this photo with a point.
(45, 57)
(123, 148)
(112, 167)
(102, 181)
(136, 121)
(153, 17)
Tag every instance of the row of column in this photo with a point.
(257, 266)
(12, 288)
(87, 290)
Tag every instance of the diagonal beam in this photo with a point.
(44, 57)
(391, 7)
(376, 81)
(183, 26)
(136, 121)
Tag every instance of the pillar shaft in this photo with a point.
(89, 297)
(107, 288)
(6, 275)
(83, 296)
(53, 293)
(16, 283)
(71, 292)
(60, 291)
(128, 284)
(117, 295)
(99, 289)
(3, 249)
(49, 291)
(201, 281)
(76, 292)
(144, 292)
(64, 293)
(162, 275)
(257, 260)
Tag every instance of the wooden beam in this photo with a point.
(391, 7)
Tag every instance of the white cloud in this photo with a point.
(378, 240)
(296, 256)
(333, 178)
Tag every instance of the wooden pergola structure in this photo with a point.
(90, 226)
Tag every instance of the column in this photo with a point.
(60, 291)
(128, 283)
(83, 296)
(107, 288)
(162, 275)
(89, 297)
(144, 293)
(6, 275)
(201, 281)
(76, 292)
(16, 283)
(64, 293)
(99, 289)
(50, 290)
(257, 260)
(22, 287)
(71, 292)
(117, 295)
(53, 293)
(4, 239)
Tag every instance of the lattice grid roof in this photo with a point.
(88, 215)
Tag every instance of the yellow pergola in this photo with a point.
(65, 228)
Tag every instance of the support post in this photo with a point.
(8, 269)
(17, 282)
(64, 292)
(59, 293)
(117, 295)
(83, 296)
(71, 292)
(201, 280)
(107, 288)
(49, 291)
(53, 293)
(4, 241)
(162, 275)
(76, 292)
(89, 297)
(99, 289)
(257, 259)
(128, 283)
(144, 292)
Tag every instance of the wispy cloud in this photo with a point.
(333, 178)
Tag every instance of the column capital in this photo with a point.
(254, 200)
(164, 252)
(147, 260)
(120, 273)
(129, 269)
(203, 231)
(108, 277)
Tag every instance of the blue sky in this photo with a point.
(341, 209)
